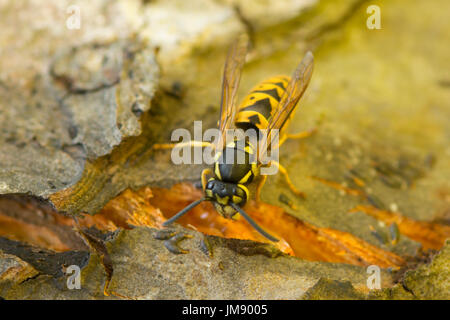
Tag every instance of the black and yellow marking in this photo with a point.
(222, 200)
(217, 170)
(247, 193)
(245, 178)
(261, 103)
(235, 172)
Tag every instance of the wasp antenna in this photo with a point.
(183, 212)
(253, 223)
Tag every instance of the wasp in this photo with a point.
(267, 107)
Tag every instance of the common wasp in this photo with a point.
(267, 107)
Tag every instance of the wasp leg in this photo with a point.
(259, 187)
(287, 179)
(164, 234)
(193, 143)
(171, 239)
(172, 243)
(205, 173)
(206, 246)
(299, 135)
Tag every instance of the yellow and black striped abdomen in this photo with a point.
(261, 103)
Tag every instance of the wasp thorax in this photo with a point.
(236, 163)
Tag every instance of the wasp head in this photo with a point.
(222, 194)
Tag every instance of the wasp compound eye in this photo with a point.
(210, 185)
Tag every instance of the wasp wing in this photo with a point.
(230, 83)
(294, 91)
